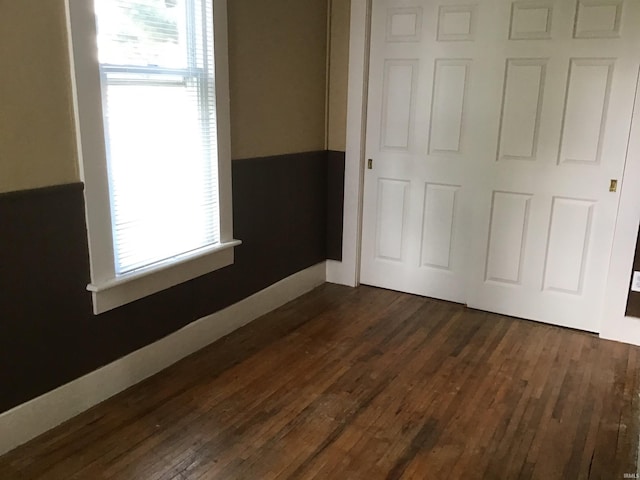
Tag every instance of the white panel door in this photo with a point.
(495, 128)
(421, 137)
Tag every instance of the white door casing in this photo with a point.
(495, 128)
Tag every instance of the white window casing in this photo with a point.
(127, 261)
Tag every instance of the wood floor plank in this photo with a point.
(365, 384)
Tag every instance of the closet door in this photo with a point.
(495, 129)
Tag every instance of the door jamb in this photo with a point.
(347, 272)
(615, 325)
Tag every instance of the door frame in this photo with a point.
(347, 272)
(614, 324)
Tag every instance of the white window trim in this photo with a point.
(108, 289)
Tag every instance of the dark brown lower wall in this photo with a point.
(48, 334)
(633, 302)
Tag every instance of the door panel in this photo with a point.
(588, 91)
(494, 129)
(392, 203)
(568, 244)
(447, 105)
(507, 233)
(437, 226)
(397, 111)
(521, 109)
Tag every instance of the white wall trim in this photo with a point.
(615, 325)
(138, 284)
(36, 416)
(347, 272)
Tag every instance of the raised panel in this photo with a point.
(507, 236)
(456, 23)
(586, 105)
(438, 222)
(398, 93)
(404, 24)
(531, 20)
(598, 19)
(392, 202)
(521, 106)
(567, 247)
(447, 107)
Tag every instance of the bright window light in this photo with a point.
(157, 75)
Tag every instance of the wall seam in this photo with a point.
(327, 92)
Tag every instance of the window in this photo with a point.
(153, 123)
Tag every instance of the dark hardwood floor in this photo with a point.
(364, 384)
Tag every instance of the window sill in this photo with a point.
(127, 288)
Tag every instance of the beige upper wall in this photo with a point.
(338, 74)
(37, 143)
(277, 68)
(278, 61)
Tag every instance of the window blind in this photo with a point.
(157, 76)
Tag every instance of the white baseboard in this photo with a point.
(26, 421)
(341, 273)
(621, 329)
